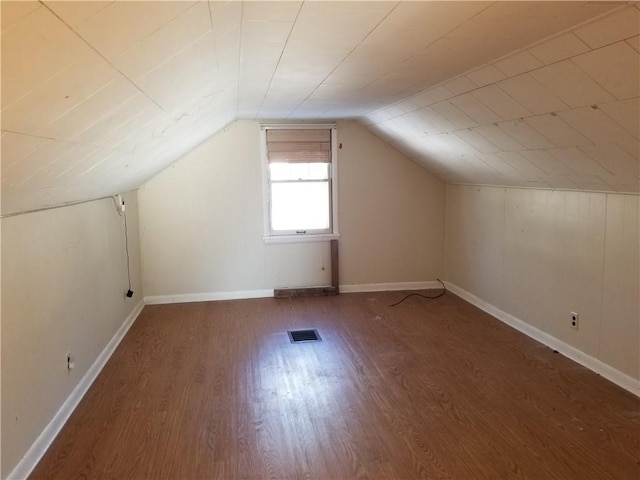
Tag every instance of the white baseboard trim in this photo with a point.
(48, 435)
(616, 376)
(389, 287)
(243, 294)
(265, 293)
(207, 296)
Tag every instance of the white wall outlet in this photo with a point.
(574, 320)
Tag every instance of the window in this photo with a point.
(300, 170)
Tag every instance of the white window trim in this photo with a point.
(300, 238)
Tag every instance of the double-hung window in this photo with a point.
(300, 167)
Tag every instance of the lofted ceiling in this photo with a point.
(563, 113)
(97, 97)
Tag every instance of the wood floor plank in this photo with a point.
(426, 389)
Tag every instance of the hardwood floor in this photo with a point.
(426, 389)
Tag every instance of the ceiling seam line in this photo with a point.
(73, 142)
(346, 56)
(484, 64)
(477, 88)
(168, 59)
(101, 55)
(146, 36)
(79, 162)
(436, 41)
(568, 30)
(423, 48)
(422, 89)
(106, 115)
(215, 48)
(460, 25)
(84, 100)
(579, 25)
(96, 12)
(239, 60)
(16, 132)
(6, 106)
(164, 25)
(286, 42)
(477, 153)
(570, 59)
(178, 52)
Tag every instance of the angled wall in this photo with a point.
(202, 222)
(538, 255)
(64, 278)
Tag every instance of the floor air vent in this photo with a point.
(299, 336)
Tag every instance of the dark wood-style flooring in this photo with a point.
(426, 389)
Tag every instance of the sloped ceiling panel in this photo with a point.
(563, 113)
(103, 95)
(97, 97)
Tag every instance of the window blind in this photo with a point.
(299, 146)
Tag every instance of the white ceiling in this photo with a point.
(563, 113)
(97, 97)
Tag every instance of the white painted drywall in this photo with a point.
(541, 254)
(64, 279)
(391, 213)
(202, 220)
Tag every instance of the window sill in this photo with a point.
(321, 237)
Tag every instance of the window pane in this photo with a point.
(299, 171)
(300, 206)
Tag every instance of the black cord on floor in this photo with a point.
(444, 289)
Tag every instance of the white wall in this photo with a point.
(64, 279)
(202, 221)
(540, 254)
(391, 213)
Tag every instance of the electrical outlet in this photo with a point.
(574, 320)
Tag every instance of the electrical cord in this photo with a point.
(444, 289)
(126, 246)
